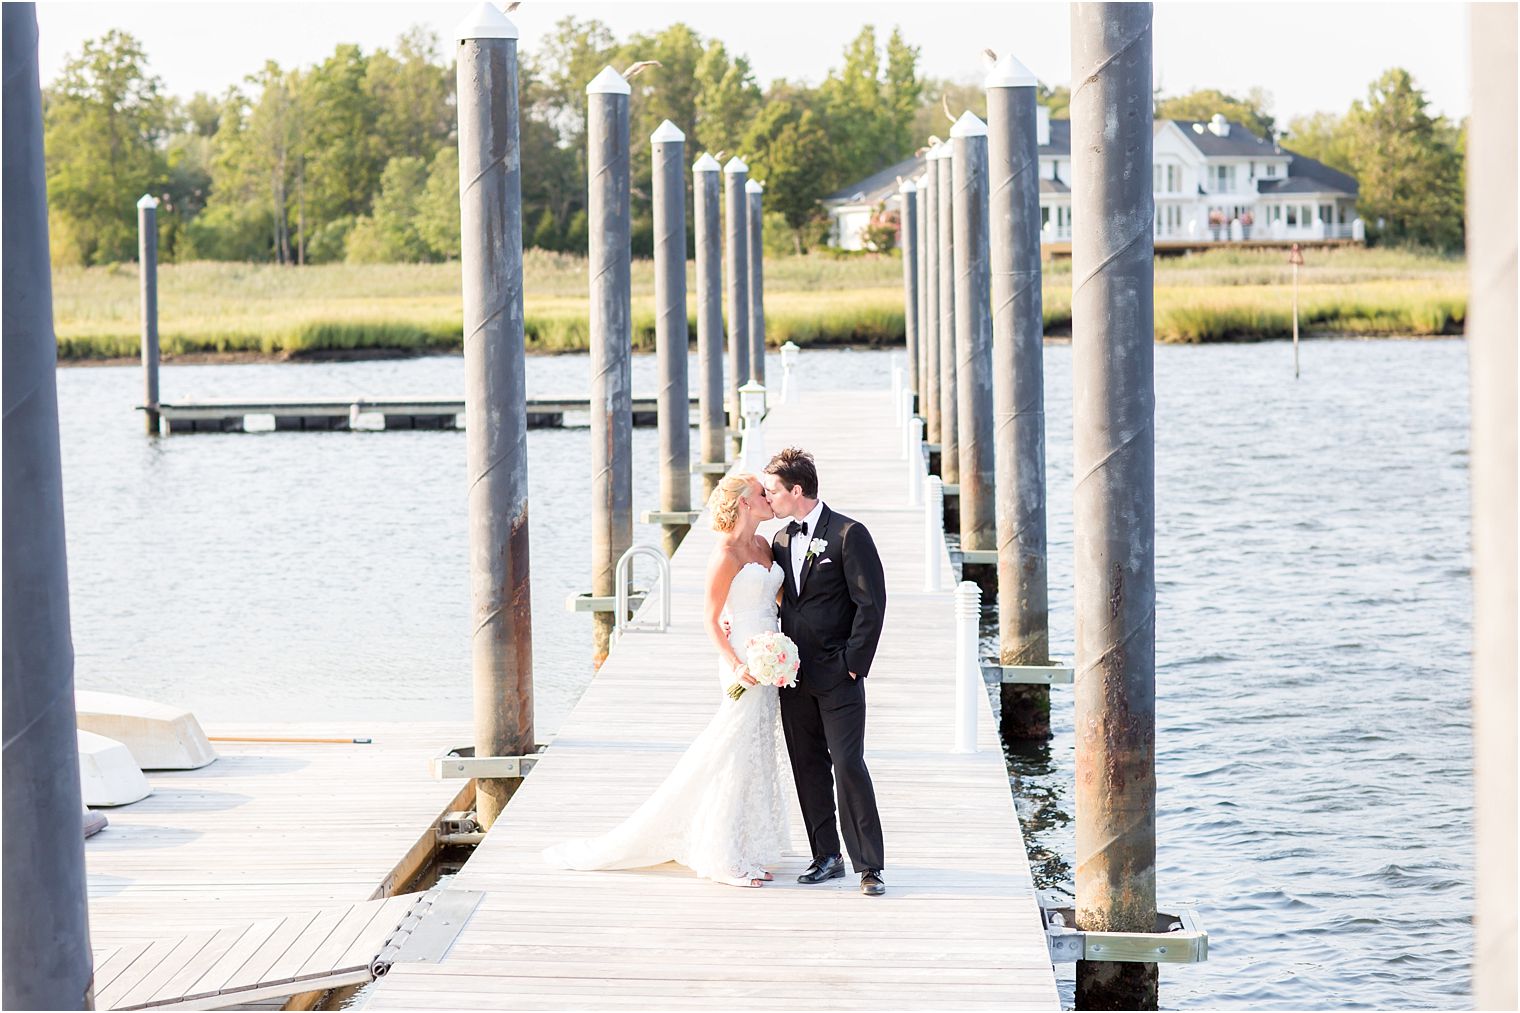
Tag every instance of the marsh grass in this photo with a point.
(1221, 295)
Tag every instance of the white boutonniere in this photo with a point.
(815, 548)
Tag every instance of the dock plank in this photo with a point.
(185, 949)
(269, 829)
(959, 926)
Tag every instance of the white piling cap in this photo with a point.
(1009, 73)
(608, 82)
(754, 186)
(736, 165)
(908, 186)
(486, 21)
(969, 125)
(665, 133)
(938, 151)
(706, 163)
(147, 201)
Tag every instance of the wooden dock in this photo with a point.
(375, 413)
(959, 926)
(277, 850)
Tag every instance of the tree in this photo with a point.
(342, 163)
(1324, 137)
(412, 93)
(901, 92)
(1057, 99)
(1409, 169)
(1202, 104)
(789, 150)
(727, 99)
(391, 233)
(104, 118)
(438, 209)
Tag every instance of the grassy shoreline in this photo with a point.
(229, 312)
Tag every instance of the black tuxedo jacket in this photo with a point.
(836, 619)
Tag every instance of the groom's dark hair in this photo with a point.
(794, 466)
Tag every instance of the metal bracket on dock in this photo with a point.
(1030, 675)
(711, 467)
(601, 603)
(979, 557)
(461, 761)
(1178, 939)
(687, 517)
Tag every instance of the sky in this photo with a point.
(1310, 57)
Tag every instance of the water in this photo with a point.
(1313, 620)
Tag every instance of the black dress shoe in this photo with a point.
(871, 884)
(823, 869)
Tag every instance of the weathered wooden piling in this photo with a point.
(496, 429)
(48, 964)
(1114, 491)
(908, 190)
(930, 336)
(921, 314)
(705, 175)
(949, 444)
(1018, 392)
(754, 192)
(1491, 327)
(736, 257)
(973, 334)
(607, 166)
(147, 274)
(672, 338)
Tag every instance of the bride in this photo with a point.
(720, 812)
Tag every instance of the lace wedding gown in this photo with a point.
(720, 812)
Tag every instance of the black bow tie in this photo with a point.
(796, 526)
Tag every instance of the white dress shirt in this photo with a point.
(800, 543)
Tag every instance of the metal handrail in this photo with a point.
(621, 621)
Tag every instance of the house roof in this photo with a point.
(1060, 139)
(1306, 175)
(1238, 143)
(1048, 185)
(877, 187)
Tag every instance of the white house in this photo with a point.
(1214, 181)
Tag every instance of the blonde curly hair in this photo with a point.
(724, 500)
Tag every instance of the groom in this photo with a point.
(833, 600)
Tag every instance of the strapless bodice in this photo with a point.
(751, 605)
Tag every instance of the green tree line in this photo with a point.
(354, 158)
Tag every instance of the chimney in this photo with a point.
(1042, 125)
(1219, 126)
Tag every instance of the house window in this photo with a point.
(1222, 178)
(1269, 170)
(1292, 214)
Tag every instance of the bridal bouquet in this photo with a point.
(772, 660)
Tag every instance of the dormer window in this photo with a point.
(1269, 170)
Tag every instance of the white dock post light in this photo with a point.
(968, 669)
(752, 408)
(915, 462)
(789, 353)
(934, 531)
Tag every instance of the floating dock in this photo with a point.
(336, 414)
(280, 868)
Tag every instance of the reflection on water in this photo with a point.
(1314, 786)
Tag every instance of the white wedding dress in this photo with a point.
(720, 812)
